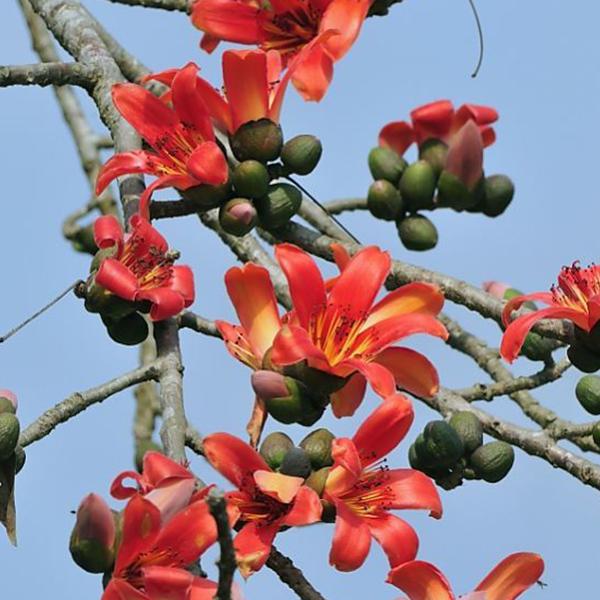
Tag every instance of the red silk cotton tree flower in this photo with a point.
(183, 151)
(363, 490)
(287, 27)
(142, 268)
(339, 331)
(506, 581)
(576, 297)
(265, 500)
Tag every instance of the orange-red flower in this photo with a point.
(142, 268)
(183, 151)
(287, 26)
(438, 120)
(576, 297)
(363, 490)
(265, 500)
(336, 327)
(506, 581)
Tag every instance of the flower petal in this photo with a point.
(119, 589)
(166, 302)
(182, 282)
(516, 303)
(108, 232)
(121, 492)
(276, 485)
(237, 344)
(307, 508)
(307, 288)
(351, 540)
(412, 371)
(346, 469)
(421, 581)
(229, 20)
(512, 576)
(311, 74)
(208, 164)
(413, 490)
(158, 468)
(251, 291)
(432, 120)
(126, 163)
(344, 402)
(397, 538)
(118, 279)
(215, 103)
(397, 136)
(347, 17)
(233, 458)
(253, 545)
(465, 155)
(379, 378)
(166, 583)
(292, 344)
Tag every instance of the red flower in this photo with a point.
(266, 500)
(506, 581)
(287, 26)
(142, 268)
(576, 298)
(337, 330)
(184, 153)
(363, 490)
(440, 121)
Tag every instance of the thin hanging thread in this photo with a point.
(480, 33)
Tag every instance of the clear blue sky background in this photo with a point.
(540, 71)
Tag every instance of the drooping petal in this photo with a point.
(208, 164)
(126, 163)
(292, 344)
(121, 492)
(277, 485)
(233, 458)
(118, 279)
(108, 232)
(516, 303)
(253, 545)
(383, 429)
(216, 105)
(251, 291)
(181, 181)
(229, 20)
(305, 281)
(379, 378)
(346, 469)
(397, 136)
(158, 468)
(517, 331)
(346, 17)
(351, 540)
(307, 508)
(412, 371)
(413, 490)
(421, 581)
(312, 75)
(416, 297)
(512, 576)
(182, 282)
(432, 120)
(166, 583)
(481, 115)
(341, 256)
(344, 402)
(166, 303)
(397, 538)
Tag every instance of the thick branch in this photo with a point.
(180, 5)
(79, 401)
(190, 320)
(227, 563)
(335, 207)
(166, 209)
(147, 404)
(54, 73)
(292, 576)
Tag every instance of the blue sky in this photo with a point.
(540, 71)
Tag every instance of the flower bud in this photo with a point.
(469, 429)
(9, 434)
(274, 447)
(497, 289)
(278, 206)
(251, 179)
(302, 154)
(452, 192)
(537, 347)
(100, 300)
(83, 240)
(583, 358)
(492, 461)
(8, 402)
(317, 480)
(386, 164)
(417, 233)
(259, 140)
(99, 257)
(20, 458)
(417, 185)
(499, 191)
(296, 463)
(435, 152)
(237, 216)
(315, 379)
(130, 330)
(317, 445)
(588, 393)
(443, 443)
(207, 196)
(465, 155)
(384, 201)
(93, 538)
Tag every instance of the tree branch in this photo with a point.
(227, 562)
(44, 74)
(292, 576)
(190, 320)
(179, 5)
(336, 207)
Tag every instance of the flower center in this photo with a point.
(370, 495)
(175, 147)
(256, 506)
(576, 286)
(166, 557)
(150, 265)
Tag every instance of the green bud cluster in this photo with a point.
(311, 459)
(401, 191)
(250, 198)
(451, 451)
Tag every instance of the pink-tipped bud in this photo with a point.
(465, 155)
(93, 538)
(8, 401)
(269, 384)
(496, 288)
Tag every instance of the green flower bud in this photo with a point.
(443, 443)
(141, 448)
(237, 216)
(469, 429)
(317, 480)
(7, 405)
(274, 448)
(498, 194)
(296, 463)
(251, 178)
(279, 205)
(317, 445)
(454, 193)
(100, 300)
(310, 417)
(207, 196)
(259, 140)
(413, 458)
(83, 240)
(9, 434)
(100, 256)
(492, 461)
(417, 233)
(422, 454)
(583, 358)
(589, 339)
(434, 152)
(20, 458)
(302, 154)
(386, 164)
(315, 379)
(537, 347)
(130, 330)
(384, 201)
(587, 391)
(417, 185)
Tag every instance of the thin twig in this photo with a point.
(292, 576)
(178, 5)
(190, 320)
(227, 562)
(44, 74)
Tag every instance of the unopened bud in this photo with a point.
(317, 445)
(302, 154)
(465, 155)
(258, 140)
(417, 185)
(20, 458)
(296, 463)
(251, 179)
(9, 434)
(274, 448)
(130, 330)
(207, 196)
(93, 538)
(83, 240)
(99, 300)
(452, 192)
(279, 205)
(434, 151)
(588, 393)
(417, 233)
(317, 480)
(384, 200)
(8, 402)
(499, 191)
(237, 216)
(443, 443)
(492, 461)
(583, 358)
(385, 163)
(496, 289)
(469, 429)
